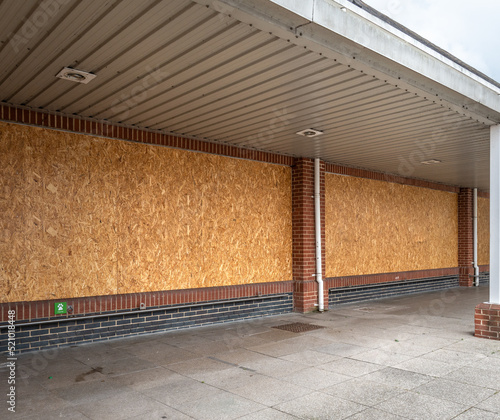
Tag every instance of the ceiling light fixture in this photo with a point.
(309, 132)
(74, 75)
(430, 162)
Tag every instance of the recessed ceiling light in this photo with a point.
(309, 132)
(430, 162)
(74, 75)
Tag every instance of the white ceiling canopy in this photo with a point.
(254, 74)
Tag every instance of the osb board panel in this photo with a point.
(197, 220)
(100, 216)
(379, 227)
(483, 231)
(12, 220)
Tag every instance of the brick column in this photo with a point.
(465, 237)
(305, 288)
(487, 315)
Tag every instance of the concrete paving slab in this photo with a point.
(146, 379)
(315, 378)
(301, 342)
(122, 366)
(164, 354)
(487, 363)
(63, 378)
(270, 391)
(363, 391)
(273, 367)
(454, 357)
(118, 407)
(69, 412)
(427, 367)
(455, 391)
(229, 379)
(476, 346)
(342, 349)
(311, 358)
(404, 346)
(181, 390)
(350, 367)
(163, 412)
(382, 357)
(421, 407)
(198, 368)
(364, 340)
(239, 356)
(224, 406)
(491, 404)
(36, 404)
(477, 414)
(268, 414)
(477, 377)
(374, 414)
(320, 406)
(88, 392)
(402, 379)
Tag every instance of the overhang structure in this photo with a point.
(253, 74)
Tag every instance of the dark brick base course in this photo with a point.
(487, 321)
(69, 331)
(484, 277)
(395, 288)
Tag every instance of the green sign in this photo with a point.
(60, 308)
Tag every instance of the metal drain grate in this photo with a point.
(298, 327)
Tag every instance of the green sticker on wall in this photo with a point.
(60, 308)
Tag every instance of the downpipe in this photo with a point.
(317, 228)
(476, 267)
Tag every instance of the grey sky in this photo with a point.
(467, 29)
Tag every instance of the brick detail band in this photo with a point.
(363, 293)
(105, 129)
(29, 311)
(58, 333)
(487, 321)
(348, 281)
(380, 176)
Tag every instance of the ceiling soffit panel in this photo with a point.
(235, 73)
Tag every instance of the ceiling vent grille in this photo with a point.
(74, 75)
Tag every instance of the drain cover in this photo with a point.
(298, 327)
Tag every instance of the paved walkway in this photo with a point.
(411, 357)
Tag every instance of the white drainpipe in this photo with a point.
(317, 224)
(476, 268)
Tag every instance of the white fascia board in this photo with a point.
(396, 54)
(356, 38)
(378, 36)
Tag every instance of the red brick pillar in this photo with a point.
(487, 321)
(465, 237)
(305, 287)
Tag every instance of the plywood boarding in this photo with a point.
(99, 216)
(483, 231)
(379, 227)
(12, 220)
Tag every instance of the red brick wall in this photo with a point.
(465, 237)
(487, 321)
(304, 240)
